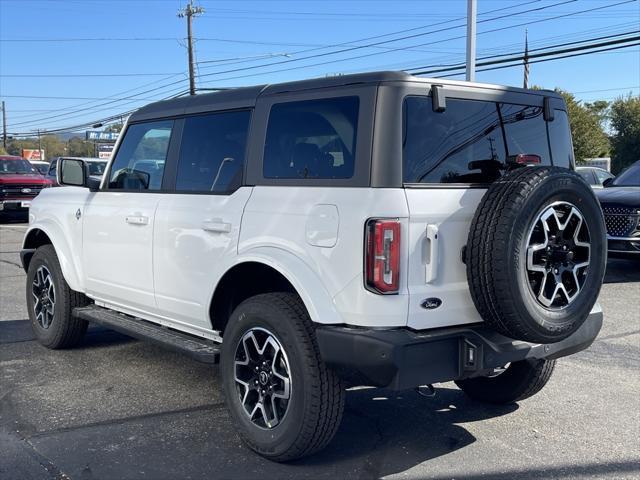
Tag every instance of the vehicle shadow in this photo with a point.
(387, 432)
(622, 270)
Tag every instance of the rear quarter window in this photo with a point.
(312, 139)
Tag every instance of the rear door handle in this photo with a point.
(432, 253)
(137, 219)
(216, 225)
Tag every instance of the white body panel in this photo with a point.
(435, 268)
(287, 217)
(117, 252)
(195, 239)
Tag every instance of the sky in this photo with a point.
(100, 58)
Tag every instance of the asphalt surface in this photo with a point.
(118, 408)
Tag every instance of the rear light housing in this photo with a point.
(382, 255)
(525, 159)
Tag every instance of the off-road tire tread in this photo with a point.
(322, 421)
(72, 328)
(490, 232)
(505, 389)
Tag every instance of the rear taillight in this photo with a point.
(526, 159)
(382, 256)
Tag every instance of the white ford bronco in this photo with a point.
(375, 229)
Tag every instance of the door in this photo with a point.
(119, 220)
(449, 159)
(197, 226)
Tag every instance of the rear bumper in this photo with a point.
(400, 358)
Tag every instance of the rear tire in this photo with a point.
(520, 380)
(51, 314)
(306, 421)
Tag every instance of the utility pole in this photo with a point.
(4, 126)
(39, 147)
(189, 12)
(472, 9)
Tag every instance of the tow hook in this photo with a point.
(426, 391)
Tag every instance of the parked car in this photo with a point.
(96, 166)
(20, 182)
(330, 233)
(594, 176)
(42, 167)
(620, 201)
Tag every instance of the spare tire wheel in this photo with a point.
(536, 254)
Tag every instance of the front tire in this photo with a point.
(284, 402)
(520, 380)
(50, 302)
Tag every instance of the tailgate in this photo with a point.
(439, 220)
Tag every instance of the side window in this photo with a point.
(312, 139)
(587, 176)
(212, 152)
(601, 175)
(139, 163)
(526, 131)
(560, 139)
(463, 144)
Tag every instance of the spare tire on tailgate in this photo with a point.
(536, 254)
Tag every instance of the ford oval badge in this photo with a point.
(431, 303)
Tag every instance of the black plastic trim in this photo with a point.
(401, 358)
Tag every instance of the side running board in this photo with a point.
(198, 348)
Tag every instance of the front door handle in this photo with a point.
(216, 225)
(137, 220)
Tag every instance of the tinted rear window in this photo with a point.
(462, 145)
(471, 141)
(212, 152)
(312, 139)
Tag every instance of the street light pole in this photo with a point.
(472, 9)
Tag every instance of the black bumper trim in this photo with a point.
(400, 358)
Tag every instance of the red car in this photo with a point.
(20, 182)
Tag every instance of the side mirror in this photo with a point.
(74, 172)
(607, 182)
(71, 172)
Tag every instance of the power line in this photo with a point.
(406, 37)
(83, 75)
(417, 45)
(605, 37)
(519, 59)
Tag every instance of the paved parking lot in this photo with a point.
(119, 408)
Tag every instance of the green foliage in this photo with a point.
(589, 138)
(625, 123)
(114, 127)
(77, 147)
(3, 151)
(51, 144)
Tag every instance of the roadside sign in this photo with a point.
(32, 154)
(103, 136)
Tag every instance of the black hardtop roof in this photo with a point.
(247, 96)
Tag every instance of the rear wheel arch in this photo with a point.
(240, 282)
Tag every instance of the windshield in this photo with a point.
(17, 165)
(97, 168)
(629, 177)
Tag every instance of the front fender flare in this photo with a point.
(69, 265)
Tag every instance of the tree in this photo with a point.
(625, 123)
(78, 147)
(114, 127)
(589, 138)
